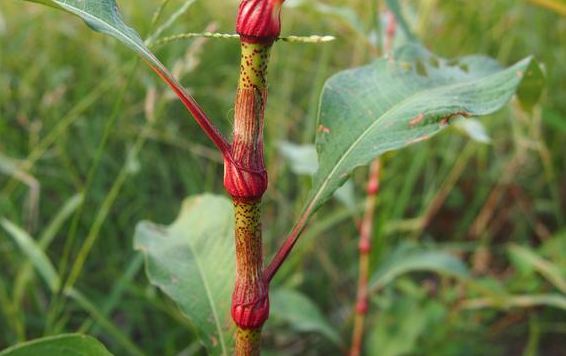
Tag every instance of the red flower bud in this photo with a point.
(258, 20)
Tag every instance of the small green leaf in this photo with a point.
(35, 254)
(546, 268)
(406, 259)
(60, 345)
(193, 261)
(301, 313)
(398, 101)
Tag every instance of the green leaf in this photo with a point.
(301, 313)
(546, 268)
(25, 269)
(193, 261)
(35, 254)
(407, 259)
(113, 330)
(396, 102)
(60, 345)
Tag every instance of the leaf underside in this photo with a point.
(192, 261)
(397, 101)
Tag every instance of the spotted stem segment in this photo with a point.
(245, 341)
(245, 177)
(250, 300)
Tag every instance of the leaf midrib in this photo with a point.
(209, 297)
(389, 112)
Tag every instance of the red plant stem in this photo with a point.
(250, 301)
(366, 228)
(287, 246)
(364, 247)
(199, 115)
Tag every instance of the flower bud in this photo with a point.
(258, 20)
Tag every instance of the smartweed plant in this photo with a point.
(214, 248)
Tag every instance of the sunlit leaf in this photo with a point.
(399, 101)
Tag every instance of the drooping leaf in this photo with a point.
(34, 253)
(192, 261)
(60, 345)
(406, 259)
(301, 313)
(398, 101)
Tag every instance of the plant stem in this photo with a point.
(365, 249)
(245, 178)
(366, 227)
(248, 342)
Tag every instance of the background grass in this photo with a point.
(93, 120)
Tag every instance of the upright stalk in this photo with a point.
(364, 247)
(366, 227)
(245, 177)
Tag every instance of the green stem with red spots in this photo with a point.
(245, 178)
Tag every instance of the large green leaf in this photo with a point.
(398, 101)
(192, 261)
(60, 345)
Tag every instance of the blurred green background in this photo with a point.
(82, 118)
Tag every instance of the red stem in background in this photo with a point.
(364, 247)
(366, 228)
